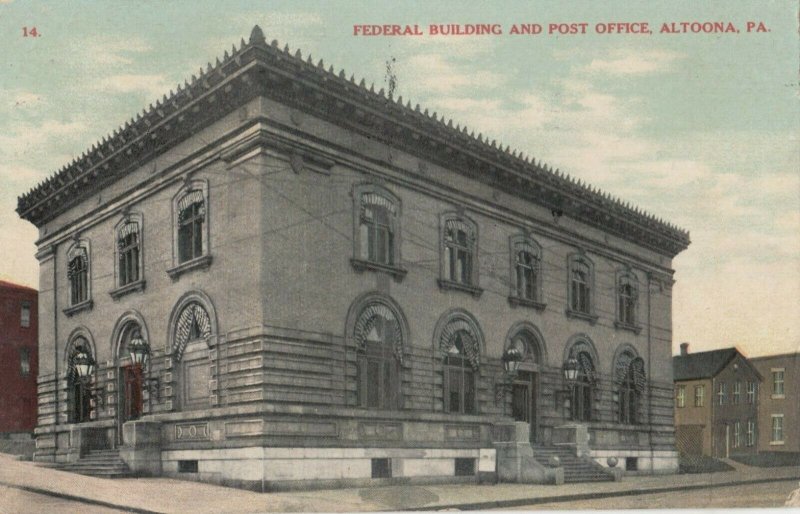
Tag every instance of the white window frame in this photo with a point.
(751, 392)
(772, 439)
(782, 394)
(737, 392)
(751, 432)
(722, 393)
(680, 397)
(702, 396)
(737, 434)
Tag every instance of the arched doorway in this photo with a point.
(79, 397)
(524, 339)
(131, 375)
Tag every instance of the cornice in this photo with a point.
(258, 69)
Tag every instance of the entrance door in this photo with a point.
(131, 392)
(523, 401)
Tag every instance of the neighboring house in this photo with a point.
(716, 403)
(18, 357)
(326, 281)
(779, 407)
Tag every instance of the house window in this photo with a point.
(751, 433)
(379, 339)
(737, 393)
(627, 293)
(191, 221)
(78, 274)
(699, 395)
(777, 381)
(722, 392)
(680, 396)
(527, 266)
(459, 243)
(737, 434)
(460, 349)
(128, 251)
(459, 377)
(580, 289)
(630, 381)
(25, 315)
(751, 392)
(777, 428)
(24, 362)
(582, 400)
(377, 226)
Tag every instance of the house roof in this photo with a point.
(5, 285)
(704, 364)
(257, 68)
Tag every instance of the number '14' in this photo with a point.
(29, 32)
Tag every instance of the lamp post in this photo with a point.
(511, 358)
(139, 350)
(570, 377)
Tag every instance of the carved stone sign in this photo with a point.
(192, 432)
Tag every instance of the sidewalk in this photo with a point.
(167, 495)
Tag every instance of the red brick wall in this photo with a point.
(17, 389)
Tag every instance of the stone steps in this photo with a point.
(98, 463)
(575, 469)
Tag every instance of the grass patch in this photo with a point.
(770, 459)
(701, 464)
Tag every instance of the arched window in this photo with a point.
(580, 291)
(461, 351)
(193, 326)
(526, 272)
(583, 390)
(128, 252)
(78, 394)
(459, 251)
(627, 296)
(131, 374)
(193, 323)
(630, 382)
(380, 350)
(78, 274)
(191, 221)
(377, 228)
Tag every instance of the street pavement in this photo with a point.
(25, 483)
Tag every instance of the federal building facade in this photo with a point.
(277, 276)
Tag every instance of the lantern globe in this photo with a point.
(83, 363)
(571, 369)
(139, 349)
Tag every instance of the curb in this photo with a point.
(79, 499)
(520, 502)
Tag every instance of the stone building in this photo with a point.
(18, 358)
(281, 277)
(779, 403)
(716, 403)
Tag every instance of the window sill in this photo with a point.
(127, 288)
(516, 301)
(197, 263)
(457, 286)
(79, 307)
(625, 326)
(591, 318)
(777, 397)
(361, 265)
(776, 443)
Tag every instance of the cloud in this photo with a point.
(153, 86)
(434, 73)
(106, 50)
(634, 62)
(24, 99)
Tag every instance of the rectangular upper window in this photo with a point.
(722, 393)
(680, 396)
(751, 392)
(751, 433)
(777, 381)
(737, 393)
(24, 362)
(777, 428)
(25, 315)
(699, 395)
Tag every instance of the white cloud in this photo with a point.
(105, 50)
(435, 73)
(634, 62)
(24, 99)
(153, 86)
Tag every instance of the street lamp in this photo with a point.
(511, 358)
(84, 365)
(139, 350)
(570, 377)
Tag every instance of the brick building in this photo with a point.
(18, 357)
(716, 403)
(327, 281)
(779, 403)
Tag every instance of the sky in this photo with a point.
(700, 129)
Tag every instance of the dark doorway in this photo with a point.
(523, 401)
(132, 392)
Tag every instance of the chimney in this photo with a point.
(684, 349)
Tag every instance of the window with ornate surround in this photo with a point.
(459, 344)
(459, 254)
(580, 288)
(526, 273)
(79, 273)
(190, 211)
(630, 380)
(583, 391)
(379, 338)
(627, 301)
(129, 262)
(376, 234)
